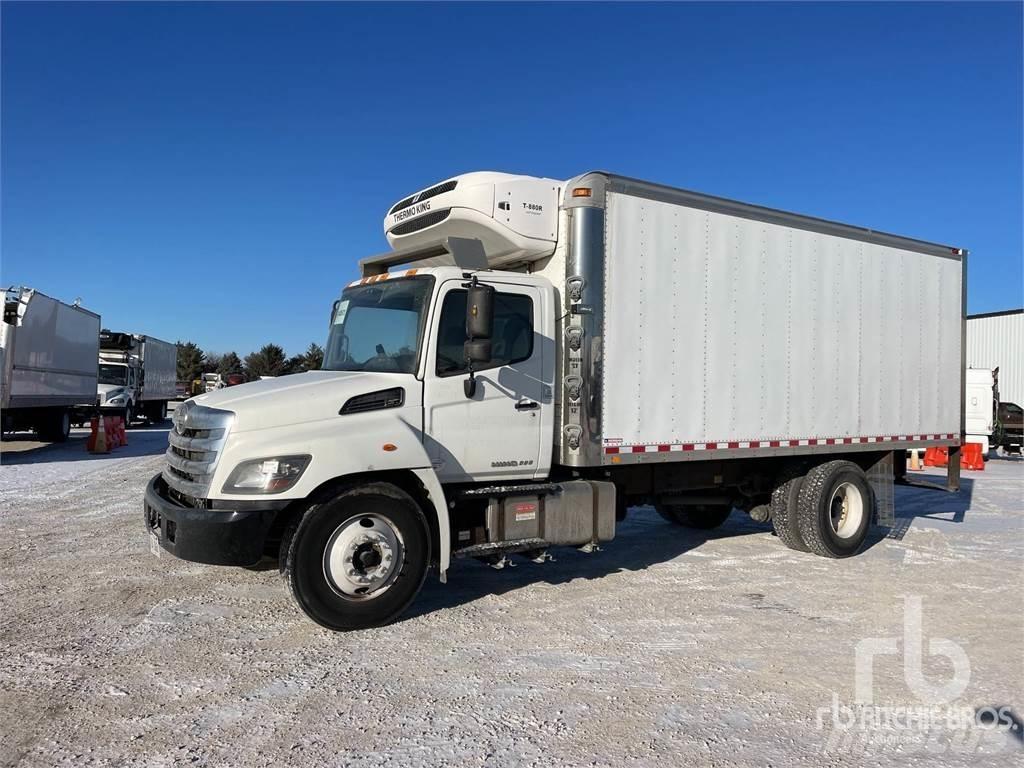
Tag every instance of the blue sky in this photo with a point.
(214, 171)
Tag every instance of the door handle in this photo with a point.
(527, 405)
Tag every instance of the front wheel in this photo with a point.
(358, 560)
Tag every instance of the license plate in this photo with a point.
(154, 544)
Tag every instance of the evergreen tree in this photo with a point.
(190, 361)
(268, 361)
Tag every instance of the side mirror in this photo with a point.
(479, 327)
(480, 311)
(478, 351)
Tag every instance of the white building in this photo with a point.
(996, 340)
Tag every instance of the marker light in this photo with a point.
(581, 192)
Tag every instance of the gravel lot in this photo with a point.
(667, 648)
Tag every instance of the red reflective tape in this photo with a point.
(794, 442)
(755, 444)
(687, 446)
(830, 441)
(611, 450)
(847, 440)
(774, 443)
(710, 446)
(734, 445)
(663, 448)
(639, 448)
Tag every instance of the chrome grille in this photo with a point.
(195, 443)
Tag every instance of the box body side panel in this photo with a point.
(721, 329)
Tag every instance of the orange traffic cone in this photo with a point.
(915, 461)
(100, 445)
(112, 432)
(90, 444)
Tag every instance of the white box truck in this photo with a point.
(536, 356)
(138, 375)
(48, 358)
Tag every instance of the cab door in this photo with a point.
(502, 432)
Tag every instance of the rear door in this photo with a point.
(496, 434)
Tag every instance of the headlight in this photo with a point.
(271, 475)
(119, 400)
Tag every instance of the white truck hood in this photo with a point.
(302, 397)
(106, 390)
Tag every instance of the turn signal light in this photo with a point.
(581, 192)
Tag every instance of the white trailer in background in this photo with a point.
(48, 357)
(536, 356)
(138, 375)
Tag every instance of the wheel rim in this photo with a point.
(363, 557)
(846, 510)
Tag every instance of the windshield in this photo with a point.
(378, 327)
(113, 374)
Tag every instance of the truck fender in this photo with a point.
(433, 486)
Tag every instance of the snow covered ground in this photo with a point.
(667, 648)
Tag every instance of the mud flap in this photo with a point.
(880, 477)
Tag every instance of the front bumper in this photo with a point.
(213, 536)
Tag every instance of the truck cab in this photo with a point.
(116, 389)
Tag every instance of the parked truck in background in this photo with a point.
(981, 406)
(48, 358)
(137, 375)
(536, 356)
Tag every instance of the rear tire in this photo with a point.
(700, 516)
(835, 509)
(358, 560)
(55, 427)
(784, 502)
(157, 413)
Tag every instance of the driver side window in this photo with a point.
(512, 341)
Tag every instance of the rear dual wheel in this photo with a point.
(835, 509)
(827, 511)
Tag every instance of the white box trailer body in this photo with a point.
(138, 374)
(49, 353)
(534, 357)
(771, 333)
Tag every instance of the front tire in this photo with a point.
(358, 560)
(700, 516)
(835, 509)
